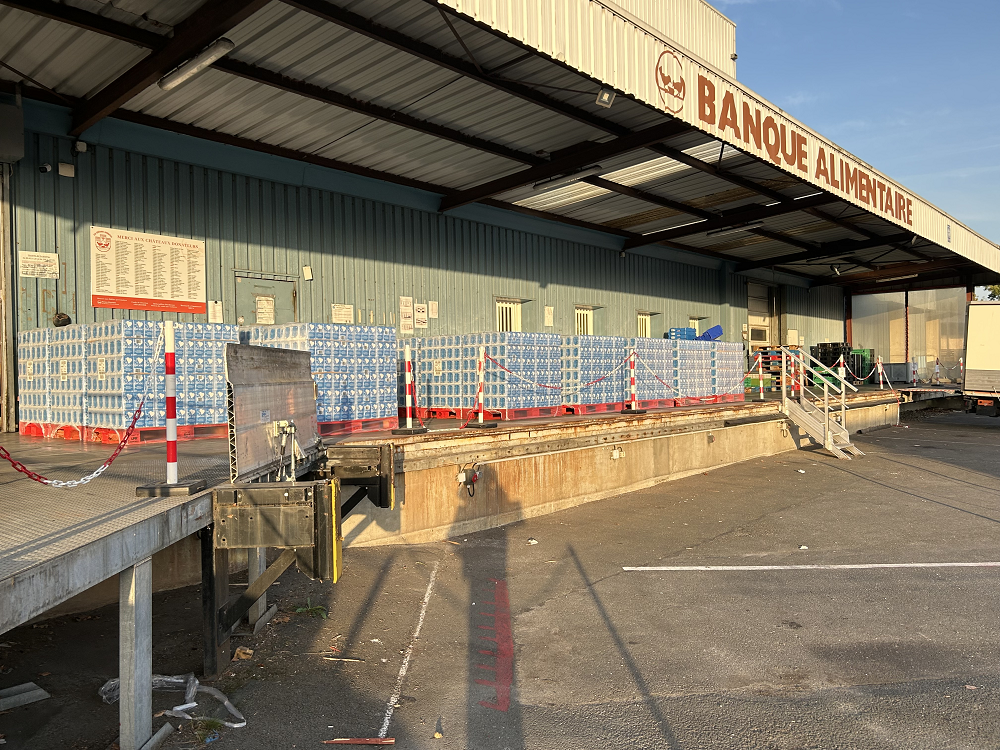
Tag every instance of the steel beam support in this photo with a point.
(214, 595)
(566, 164)
(135, 654)
(256, 565)
(733, 218)
(827, 250)
(896, 269)
(196, 32)
(8, 308)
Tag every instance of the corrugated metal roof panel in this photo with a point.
(67, 59)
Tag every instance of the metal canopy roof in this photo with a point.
(458, 98)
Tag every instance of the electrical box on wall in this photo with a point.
(11, 133)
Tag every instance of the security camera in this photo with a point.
(45, 168)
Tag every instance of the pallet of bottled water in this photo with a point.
(730, 367)
(655, 368)
(354, 367)
(34, 357)
(589, 358)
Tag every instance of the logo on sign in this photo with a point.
(669, 75)
(102, 240)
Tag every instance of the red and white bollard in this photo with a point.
(408, 381)
(170, 386)
(760, 374)
(913, 371)
(481, 379)
(961, 371)
(878, 366)
(633, 404)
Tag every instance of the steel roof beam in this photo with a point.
(827, 250)
(366, 27)
(896, 269)
(732, 218)
(90, 21)
(201, 28)
(565, 165)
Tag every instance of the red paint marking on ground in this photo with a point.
(503, 637)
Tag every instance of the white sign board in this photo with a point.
(38, 265)
(432, 309)
(406, 315)
(420, 316)
(343, 314)
(137, 271)
(265, 309)
(215, 311)
(550, 314)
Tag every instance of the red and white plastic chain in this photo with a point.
(35, 476)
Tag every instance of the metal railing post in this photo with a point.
(826, 413)
(784, 381)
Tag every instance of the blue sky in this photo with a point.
(910, 86)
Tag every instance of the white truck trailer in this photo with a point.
(981, 387)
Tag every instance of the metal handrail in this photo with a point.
(793, 352)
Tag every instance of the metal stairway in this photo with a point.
(813, 412)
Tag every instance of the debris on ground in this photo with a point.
(242, 653)
(188, 683)
(801, 471)
(438, 735)
(21, 695)
(341, 658)
(532, 540)
(802, 546)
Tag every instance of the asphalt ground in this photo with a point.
(594, 656)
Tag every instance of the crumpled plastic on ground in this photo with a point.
(111, 690)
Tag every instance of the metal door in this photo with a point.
(264, 302)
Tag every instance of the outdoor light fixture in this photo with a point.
(567, 179)
(605, 98)
(734, 230)
(896, 278)
(187, 71)
(835, 269)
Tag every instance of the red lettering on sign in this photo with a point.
(900, 206)
(706, 100)
(889, 199)
(772, 140)
(849, 177)
(727, 119)
(909, 212)
(803, 154)
(751, 125)
(821, 170)
(789, 155)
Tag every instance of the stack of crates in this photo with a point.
(119, 358)
(68, 375)
(587, 358)
(34, 356)
(683, 334)
(354, 367)
(660, 356)
(696, 375)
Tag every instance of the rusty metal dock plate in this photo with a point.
(269, 389)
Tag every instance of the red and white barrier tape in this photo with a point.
(70, 484)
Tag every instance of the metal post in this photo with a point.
(170, 369)
(480, 379)
(843, 404)
(256, 565)
(409, 388)
(480, 392)
(760, 374)
(135, 654)
(784, 379)
(961, 371)
(878, 366)
(214, 596)
(801, 378)
(633, 404)
(826, 413)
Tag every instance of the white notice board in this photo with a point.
(138, 271)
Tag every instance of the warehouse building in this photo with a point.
(580, 166)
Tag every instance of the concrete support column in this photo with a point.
(135, 654)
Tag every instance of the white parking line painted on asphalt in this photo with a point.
(394, 698)
(860, 566)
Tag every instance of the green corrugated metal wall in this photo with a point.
(362, 252)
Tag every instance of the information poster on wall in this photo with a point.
(138, 271)
(215, 311)
(432, 309)
(343, 314)
(406, 315)
(264, 309)
(38, 265)
(420, 316)
(550, 314)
